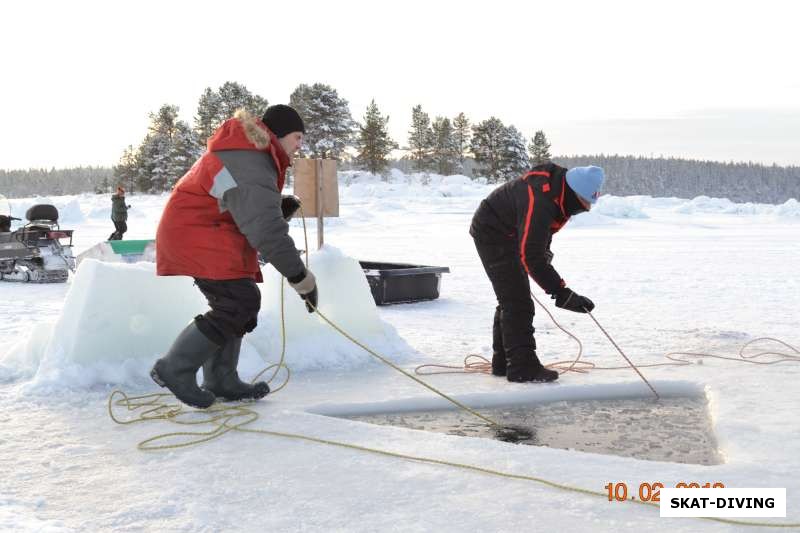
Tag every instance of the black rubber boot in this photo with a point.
(177, 370)
(524, 366)
(220, 376)
(499, 364)
(499, 353)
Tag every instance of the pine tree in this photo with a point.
(168, 150)
(105, 186)
(329, 125)
(445, 153)
(486, 144)
(155, 173)
(126, 170)
(461, 134)
(374, 144)
(183, 154)
(539, 149)
(420, 139)
(208, 113)
(514, 156)
(165, 120)
(233, 96)
(215, 107)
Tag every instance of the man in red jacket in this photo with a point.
(512, 229)
(222, 213)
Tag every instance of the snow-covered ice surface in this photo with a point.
(666, 275)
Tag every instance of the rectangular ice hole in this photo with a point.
(676, 429)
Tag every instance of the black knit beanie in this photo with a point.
(283, 120)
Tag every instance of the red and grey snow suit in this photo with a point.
(512, 229)
(223, 212)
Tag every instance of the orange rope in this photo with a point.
(478, 364)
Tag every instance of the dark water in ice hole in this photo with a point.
(670, 429)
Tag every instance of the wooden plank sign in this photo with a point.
(316, 185)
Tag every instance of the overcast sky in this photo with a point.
(709, 80)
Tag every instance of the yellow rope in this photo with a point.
(158, 410)
(497, 473)
(234, 417)
(225, 420)
(280, 364)
(407, 374)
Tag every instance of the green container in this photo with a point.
(132, 247)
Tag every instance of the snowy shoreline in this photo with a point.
(667, 275)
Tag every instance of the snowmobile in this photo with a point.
(38, 252)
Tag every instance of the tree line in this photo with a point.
(56, 182)
(441, 145)
(626, 175)
(444, 145)
(688, 178)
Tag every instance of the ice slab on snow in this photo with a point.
(118, 311)
(344, 298)
(118, 318)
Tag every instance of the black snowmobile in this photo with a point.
(37, 252)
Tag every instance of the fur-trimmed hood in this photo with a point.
(242, 132)
(246, 132)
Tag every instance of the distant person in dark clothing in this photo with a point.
(119, 214)
(512, 229)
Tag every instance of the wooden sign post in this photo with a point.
(316, 185)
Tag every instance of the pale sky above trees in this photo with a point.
(709, 80)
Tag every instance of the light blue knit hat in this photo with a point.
(586, 182)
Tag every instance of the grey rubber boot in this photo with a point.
(221, 378)
(177, 370)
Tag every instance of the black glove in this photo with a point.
(306, 287)
(311, 299)
(289, 206)
(548, 257)
(572, 301)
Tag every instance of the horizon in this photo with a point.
(398, 159)
(623, 80)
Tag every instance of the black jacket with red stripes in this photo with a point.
(526, 212)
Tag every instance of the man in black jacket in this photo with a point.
(512, 229)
